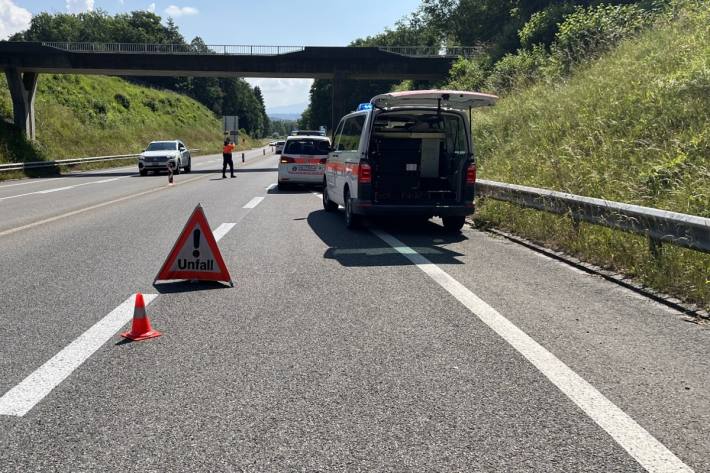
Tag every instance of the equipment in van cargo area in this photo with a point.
(418, 157)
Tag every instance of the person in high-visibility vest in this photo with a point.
(227, 158)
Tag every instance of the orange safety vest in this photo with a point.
(228, 148)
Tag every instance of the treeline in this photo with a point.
(224, 96)
(512, 36)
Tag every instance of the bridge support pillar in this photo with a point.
(23, 86)
(338, 107)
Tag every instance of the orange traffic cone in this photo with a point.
(140, 328)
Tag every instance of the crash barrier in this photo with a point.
(659, 226)
(67, 162)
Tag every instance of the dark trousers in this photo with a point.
(227, 159)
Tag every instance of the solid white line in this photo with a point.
(92, 207)
(222, 230)
(253, 203)
(57, 189)
(641, 445)
(32, 181)
(23, 397)
(272, 186)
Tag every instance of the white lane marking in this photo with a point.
(641, 445)
(58, 189)
(91, 207)
(49, 191)
(222, 230)
(33, 181)
(253, 203)
(272, 186)
(23, 397)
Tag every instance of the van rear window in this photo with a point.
(308, 147)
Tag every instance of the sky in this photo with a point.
(250, 22)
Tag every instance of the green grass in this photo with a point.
(80, 116)
(633, 126)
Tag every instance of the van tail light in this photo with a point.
(287, 160)
(364, 175)
(323, 160)
(471, 174)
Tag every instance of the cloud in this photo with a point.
(78, 6)
(176, 11)
(13, 19)
(151, 8)
(283, 92)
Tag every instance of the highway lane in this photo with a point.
(33, 200)
(333, 351)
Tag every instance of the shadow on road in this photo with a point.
(177, 287)
(363, 248)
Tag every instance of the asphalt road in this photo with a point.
(392, 348)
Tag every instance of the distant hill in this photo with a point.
(295, 108)
(284, 116)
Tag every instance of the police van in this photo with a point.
(405, 153)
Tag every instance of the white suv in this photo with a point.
(407, 153)
(161, 154)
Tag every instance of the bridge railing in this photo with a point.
(432, 51)
(149, 48)
(688, 231)
(243, 50)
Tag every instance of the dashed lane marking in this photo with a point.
(637, 441)
(23, 397)
(222, 230)
(253, 203)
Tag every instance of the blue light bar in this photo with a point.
(364, 106)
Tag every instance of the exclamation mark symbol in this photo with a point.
(196, 243)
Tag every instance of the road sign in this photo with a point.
(195, 255)
(231, 126)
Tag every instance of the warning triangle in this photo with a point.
(195, 254)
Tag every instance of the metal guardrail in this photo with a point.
(61, 162)
(242, 50)
(67, 162)
(688, 231)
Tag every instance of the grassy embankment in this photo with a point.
(80, 116)
(633, 126)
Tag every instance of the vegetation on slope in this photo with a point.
(81, 116)
(632, 126)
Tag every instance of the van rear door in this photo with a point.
(453, 99)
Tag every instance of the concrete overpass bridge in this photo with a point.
(22, 63)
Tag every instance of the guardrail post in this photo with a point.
(242, 157)
(655, 247)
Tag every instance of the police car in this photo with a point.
(405, 153)
(302, 160)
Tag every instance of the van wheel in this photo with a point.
(328, 204)
(143, 172)
(352, 221)
(188, 168)
(453, 224)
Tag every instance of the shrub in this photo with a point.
(469, 74)
(122, 101)
(518, 70)
(543, 25)
(151, 104)
(587, 33)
